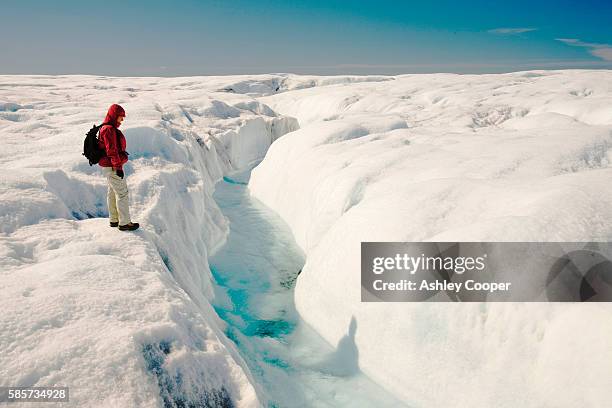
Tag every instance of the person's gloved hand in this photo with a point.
(120, 173)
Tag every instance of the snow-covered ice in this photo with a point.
(127, 319)
(442, 157)
(123, 319)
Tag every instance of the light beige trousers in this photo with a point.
(118, 197)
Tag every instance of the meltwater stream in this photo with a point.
(255, 273)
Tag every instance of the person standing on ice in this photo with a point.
(113, 142)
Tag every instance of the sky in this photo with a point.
(199, 37)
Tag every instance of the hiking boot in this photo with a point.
(114, 224)
(129, 227)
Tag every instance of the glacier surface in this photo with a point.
(442, 157)
(128, 319)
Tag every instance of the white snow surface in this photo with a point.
(121, 316)
(442, 157)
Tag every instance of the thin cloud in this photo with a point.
(603, 51)
(511, 31)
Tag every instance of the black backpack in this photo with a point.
(91, 149)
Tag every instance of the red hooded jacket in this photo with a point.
(115, 153)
